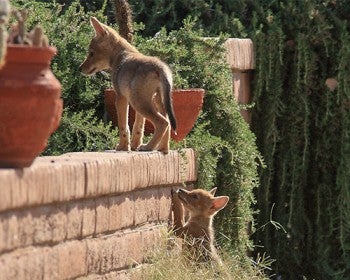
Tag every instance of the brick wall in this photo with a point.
(86, 215)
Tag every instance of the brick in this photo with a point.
(7, 178)
(124, 173)
(93, 260)
(34, 262)
(121, 212)
(107, 251)
(119, 275)
(89, 218)
(104, 254)
(152, 204)
(146, 206)
(19, 192)
(115, 212)
(113, 252)
(58, 223)
(140, 212)
(164, 202)
(104, 177)
(170, 172)
(78, 171)
(71, 259)
(7, 267)
(42, 230)
(12, 240)
(131, 253)
(114, 177)
(25, 265)
(16, 230)
(139, 171)
(3, 233)
(10, 267)
(36, 182)
(74, 220)
(91, 178)
(52, 185)
(51, 263)
(26, 227)
(72, 176)
(152, 237)
(38, 225)
(102, 215)
(66, 192)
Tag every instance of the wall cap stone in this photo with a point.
(74, 176)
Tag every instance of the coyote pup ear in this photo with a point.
(219, 202)
(213, 191)
(98, 27)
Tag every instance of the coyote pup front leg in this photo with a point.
(178, 213)
(122, 107)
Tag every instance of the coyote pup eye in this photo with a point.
(195, 196)
(91, 54)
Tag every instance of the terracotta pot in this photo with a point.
(30, 104)
(187, 105)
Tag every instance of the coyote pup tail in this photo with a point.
(168, 101)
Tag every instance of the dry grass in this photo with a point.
(169, 262)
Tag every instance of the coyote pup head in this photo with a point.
(202, 203)
(100, 49)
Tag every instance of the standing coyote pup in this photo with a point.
(142, 81)
(198, 230)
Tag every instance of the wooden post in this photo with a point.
(240, 56)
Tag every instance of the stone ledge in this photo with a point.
(82, 175)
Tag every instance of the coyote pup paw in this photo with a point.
(173, 192)
(121, 147)
(144, 148)
(175, 196)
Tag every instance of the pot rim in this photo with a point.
(34, 48)
(29, 54)
(174, 89)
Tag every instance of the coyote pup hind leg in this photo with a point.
(137, 132)
(145, 106)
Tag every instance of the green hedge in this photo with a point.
(303, 132)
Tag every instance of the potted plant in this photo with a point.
(187, 105)
(30, 95)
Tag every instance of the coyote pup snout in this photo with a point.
(144, 82)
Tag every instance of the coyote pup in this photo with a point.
(142, 81)
(198, 230)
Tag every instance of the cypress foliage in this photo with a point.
(303, 130)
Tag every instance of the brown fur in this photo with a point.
(142, 81)
(202, 206)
